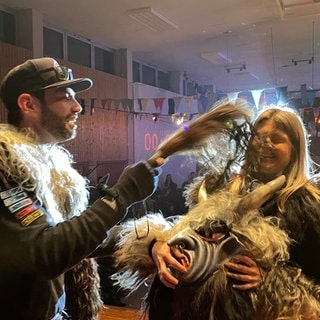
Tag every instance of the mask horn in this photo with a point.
(202, 193)
(259, 196)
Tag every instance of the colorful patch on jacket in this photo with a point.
(25, 211)
(31, 217)
(15, 198)
(18, 203)
(11, 192)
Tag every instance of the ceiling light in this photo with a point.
(309, 60)
(298, 8)
(152, 19)
(239, 67)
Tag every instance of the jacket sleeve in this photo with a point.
(33, 245)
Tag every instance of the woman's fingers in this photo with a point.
(246, 271)
(165, 261)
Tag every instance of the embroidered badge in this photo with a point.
(19, 215)
(19, 205)
(8, 193)
(13, 199)
(31, 217)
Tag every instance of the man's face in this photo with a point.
(59, 112)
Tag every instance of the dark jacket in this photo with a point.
(35, 256)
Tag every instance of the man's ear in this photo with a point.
(26, 102)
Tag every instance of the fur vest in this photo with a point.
(46, 171)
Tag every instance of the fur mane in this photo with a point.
(43, 169)
(285, 294)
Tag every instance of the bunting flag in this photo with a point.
(282, 95)
(232, 95)
(92, 103)
(308, 115)
(311, 95)
(256, 94)
(124, 103)
(109, 103)
(304, 99)
(204, 103)
(211, 100)
(189, 102)
(130, 103)
(171, 104)
(158, 103)
(103, 103)
(177, 102)
(143, 104)
(117, 103)
(127, 104)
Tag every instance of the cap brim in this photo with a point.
(77, 85)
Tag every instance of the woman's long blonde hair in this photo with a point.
(301, 167)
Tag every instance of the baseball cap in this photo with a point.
(38, 74)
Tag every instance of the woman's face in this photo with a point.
(273, 149)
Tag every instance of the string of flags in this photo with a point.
(184, 105)
(128, 105)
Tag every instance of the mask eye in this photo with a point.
(212, 231)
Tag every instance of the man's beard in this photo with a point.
(55, 125)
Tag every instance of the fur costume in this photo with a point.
(46, 171)
(285, 294)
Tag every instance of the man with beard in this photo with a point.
(49, 236)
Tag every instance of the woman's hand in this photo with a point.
(165, 257)
(245, 270)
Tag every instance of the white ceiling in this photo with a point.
(211, 35)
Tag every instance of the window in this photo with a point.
(136, 71)
(163, 80)
(52, 43)
(148, 75)
(79, 51)
(7, 28)
(104, 60)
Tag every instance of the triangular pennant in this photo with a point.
(143, 104)
(117, 103)
(308, 115)
(211, 99)
(130, 104)
(311, 95)
(103, 103)
(171, 104)
(282, 95)
(232, 95)
(204, 102)
(158, 103)
(109, 103)
(256, 94)
(124, 104)
(189, 102)
(177, 102)
(200, 108)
